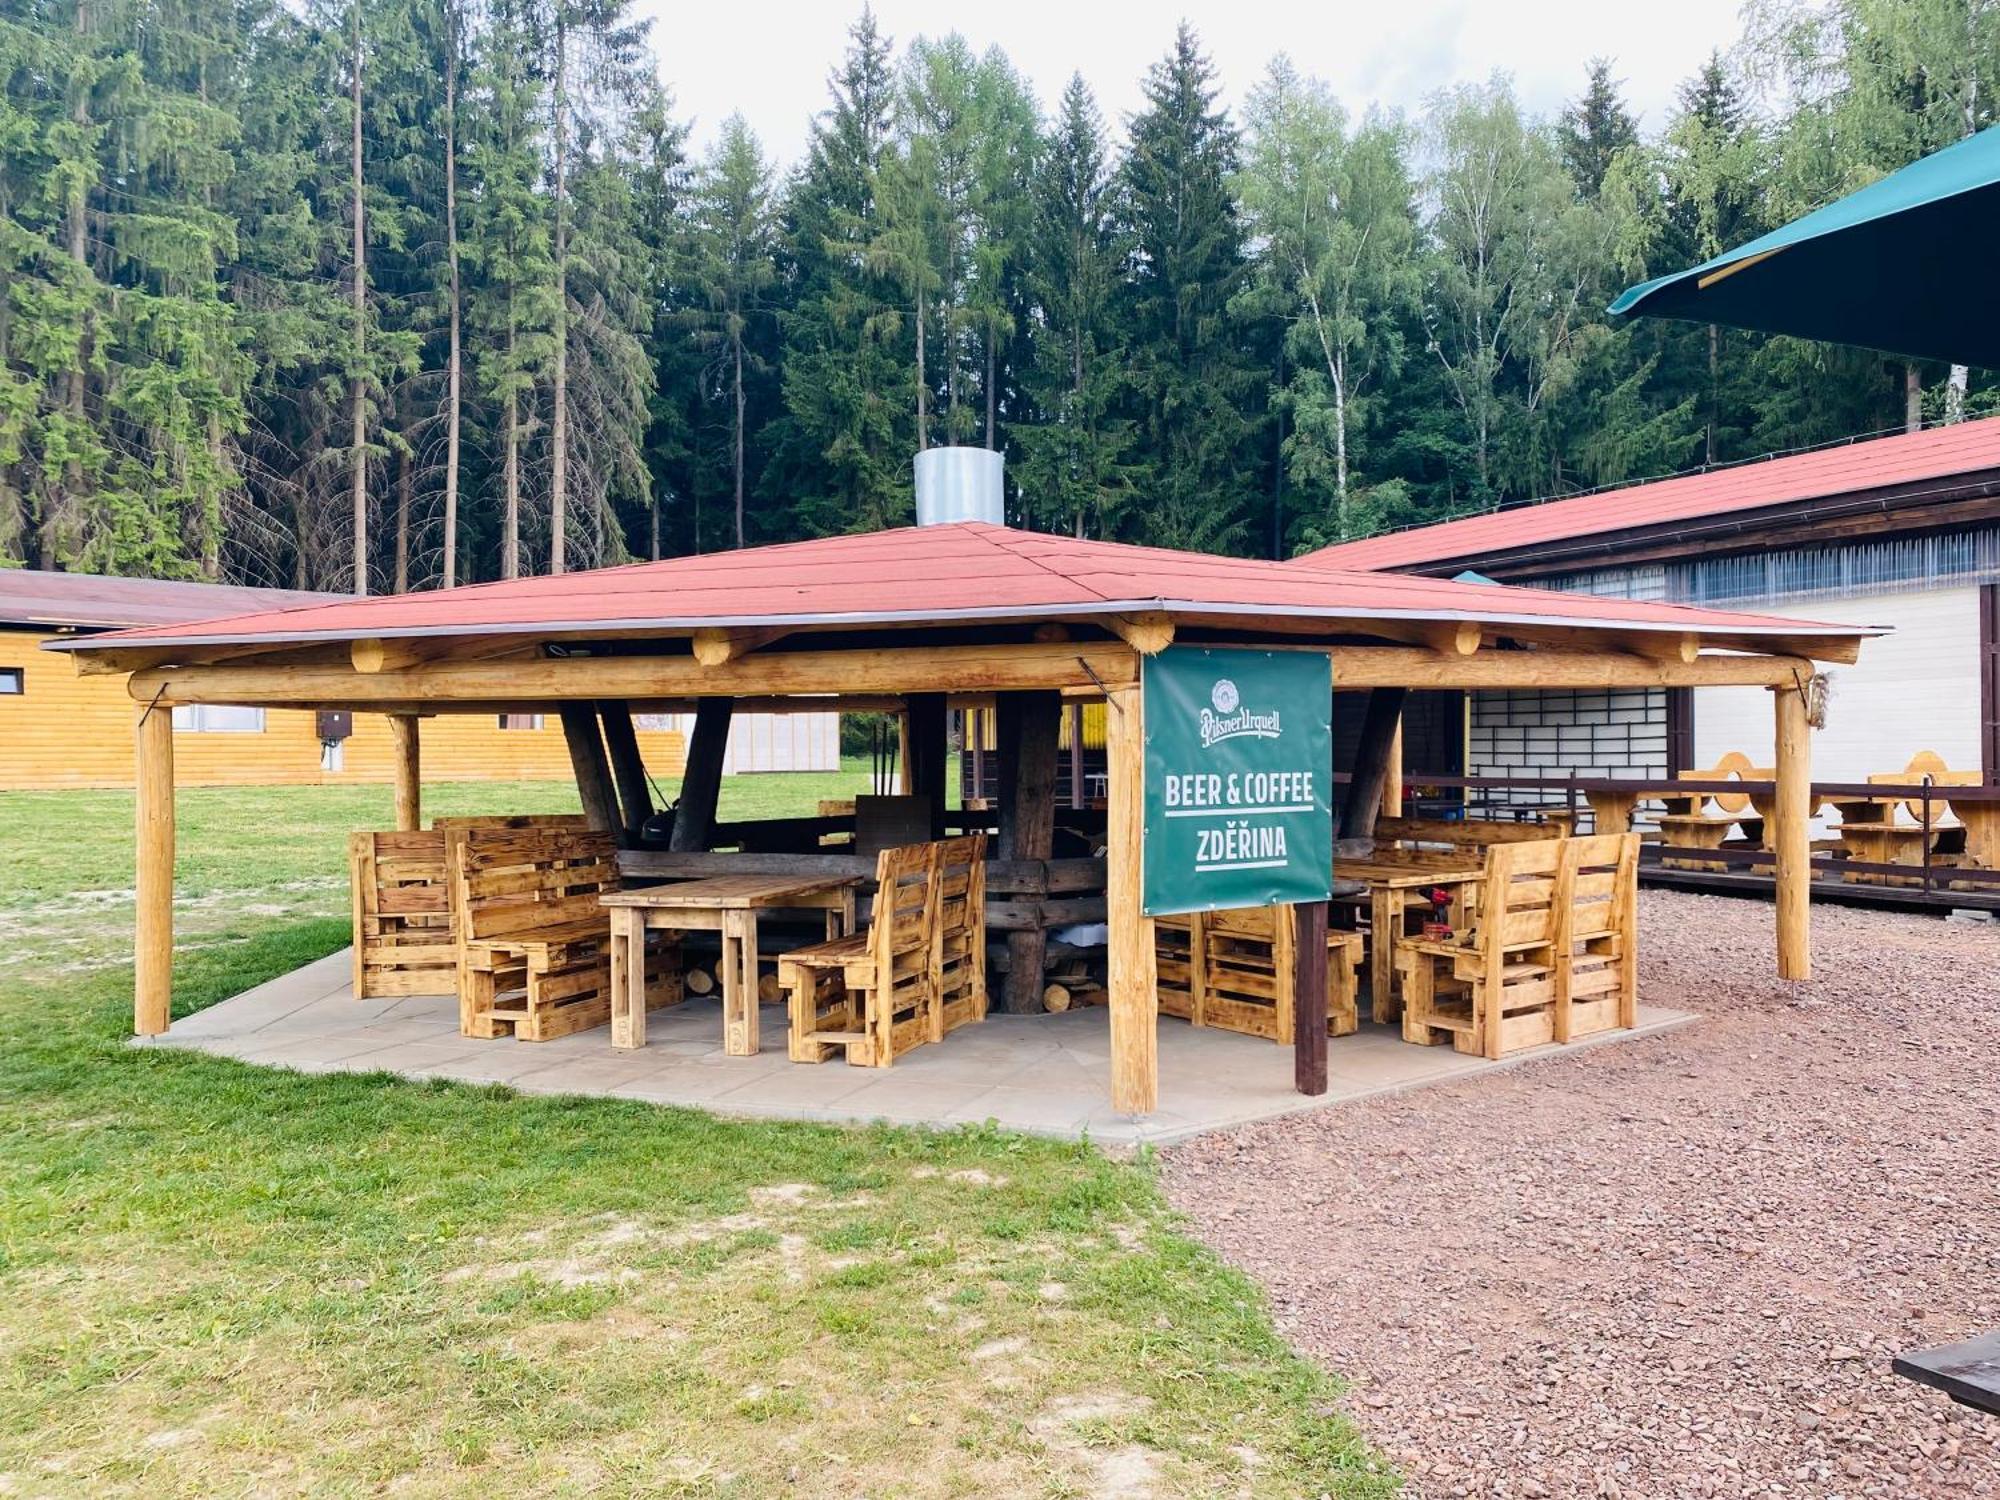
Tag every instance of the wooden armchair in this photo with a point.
(1492, 990)
(1234, 970)
(874, 993)
(534, 943)
(961, 932)
(1597, 909)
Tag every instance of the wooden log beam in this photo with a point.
(1791, 834)
(926, 756)
(1028, 727)
(1019, 666)
(701, 781)
(409, 773)
(1396, 666)
(628, 768)
(1148, 634)
(593, 772)
(1371, 762)
(153, 943)
(1309, 997)
(712, 648)
(1135, 1056)
(1684, 647)
(1392, 779)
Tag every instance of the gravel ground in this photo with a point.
(1672, 1268)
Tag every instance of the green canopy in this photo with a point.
(1904, 265)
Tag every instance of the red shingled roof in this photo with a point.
(94, 601)
(1942, 453)
(959, 573)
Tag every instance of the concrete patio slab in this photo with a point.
(1045, 1075)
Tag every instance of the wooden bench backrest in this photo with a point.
(1925, 765)
(1598, 888)
(1517, 898)
(508, 882)
(961, 875)
(1735, 766)
(512, 820)
(400, 874)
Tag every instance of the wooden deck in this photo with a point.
(1045, 1075)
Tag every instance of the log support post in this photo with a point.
(628, 768)
(593, 771)
(1791, 834)
(1392, 779)
(153, 947)
(409, 773)
(1027, 725)
(1309, 997)
(1379, 733)
(925, 754)
(1135, 1061)
(701, 782)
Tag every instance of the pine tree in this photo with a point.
(1075, 472)
(1195, 382)
(1594, 129)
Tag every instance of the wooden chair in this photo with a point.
(1869, 830)
(534, 943)
(961, 931)
(874, 993)
(1234, 970)
(1597, 948)
(1492, 990)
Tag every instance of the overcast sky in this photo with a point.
(770, 58)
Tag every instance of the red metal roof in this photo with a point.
(94, 601)
(961, 573)
(1942, 453)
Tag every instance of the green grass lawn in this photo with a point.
(221, 1279)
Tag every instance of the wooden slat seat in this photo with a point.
(534, 941)
(1234, 970)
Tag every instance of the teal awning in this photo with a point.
(1905, 265)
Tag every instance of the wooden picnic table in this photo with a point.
(1390, 875)
(727, 904)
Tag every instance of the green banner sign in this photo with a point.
(1239, 778)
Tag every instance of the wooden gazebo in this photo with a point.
(914, 620)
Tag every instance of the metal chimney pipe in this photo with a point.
(960, 484)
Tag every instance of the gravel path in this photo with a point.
(1671, 1268)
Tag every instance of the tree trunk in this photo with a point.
(1913, 399)
(357, 461)
(1714, 361)
(510, 520)
(992, 403)
(403, 484)
(559, 415)
(739, 440)
(1954, 394)
(923, 416)
(454, 360)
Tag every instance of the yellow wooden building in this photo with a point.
(61, 729)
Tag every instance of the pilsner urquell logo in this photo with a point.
(1229, 720)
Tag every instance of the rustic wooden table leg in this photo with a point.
(740, 1032)
(1386, 915)
(628, 977)
(840, 919)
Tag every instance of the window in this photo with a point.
(520, 721)
(12, 682)
(214, 720)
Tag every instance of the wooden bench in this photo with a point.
(534, 942)
(1870, 832)
(961, 931)
(405, 929)
(1236, 971)
(875, 994)
(1687, 824)
(1597, 936)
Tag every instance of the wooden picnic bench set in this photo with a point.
(528, 921)
(1886, 829)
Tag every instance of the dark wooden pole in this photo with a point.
(1309, 997)
(593, 772)
(628, 767)
(1028, 725)
(701, 783)
(1371, 762)
(926, 753)
(1076, 755)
